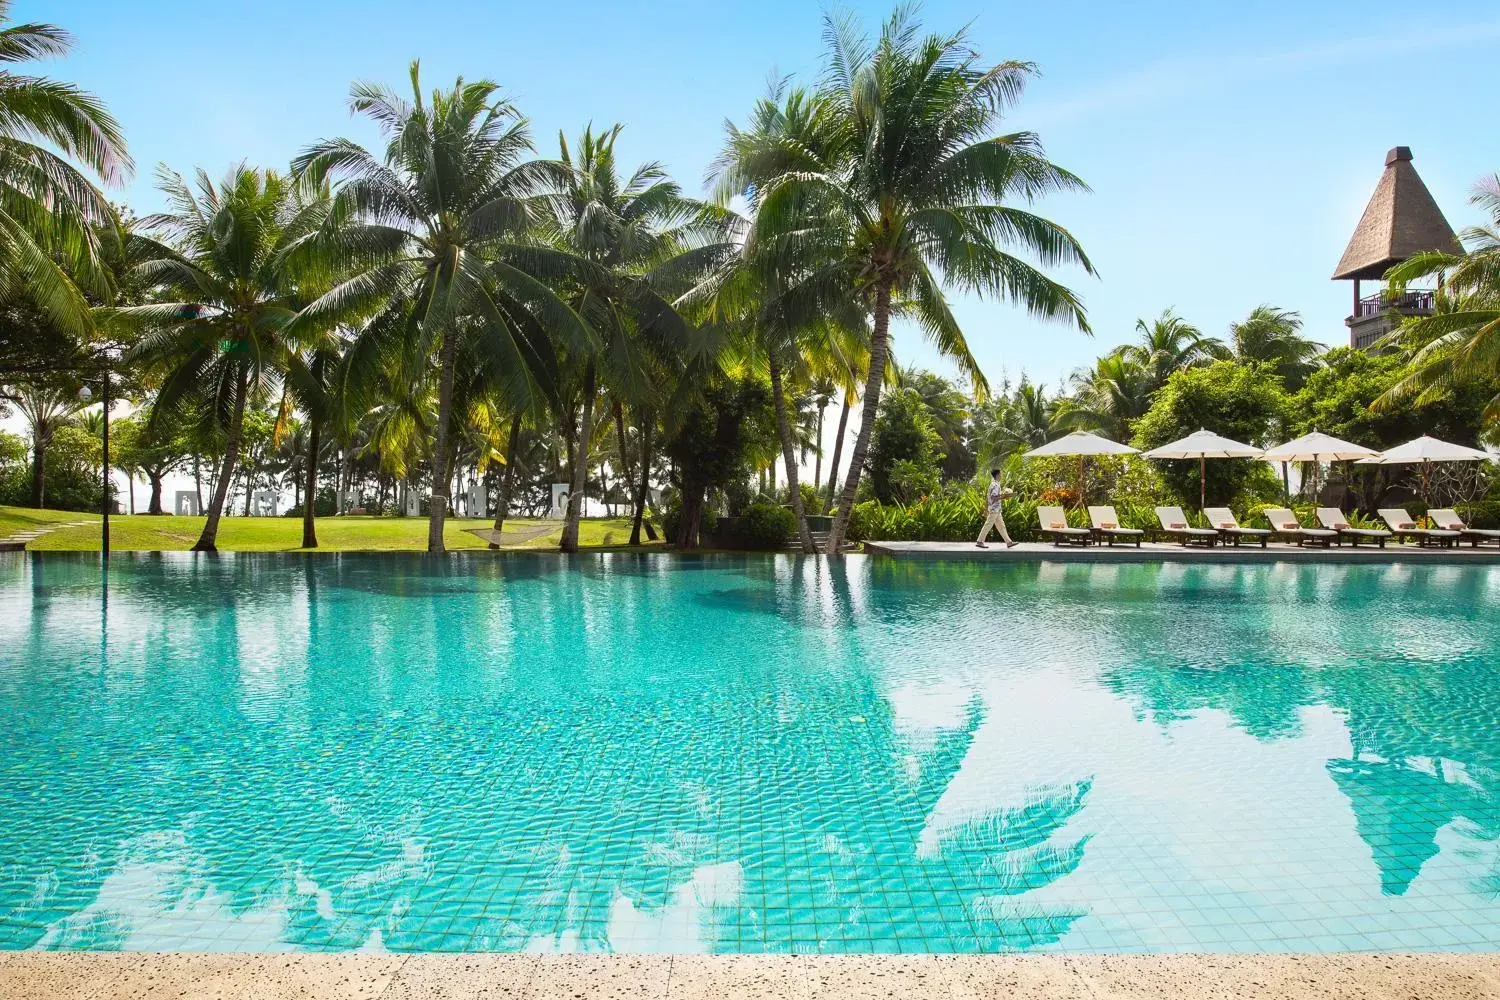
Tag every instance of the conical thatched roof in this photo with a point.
(1401, 221)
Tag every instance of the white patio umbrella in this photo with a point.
(1426, 450)
(1082, 444)
(1315, 447)
(1203, 445)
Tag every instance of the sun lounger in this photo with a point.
(1284, 522)
(1175, 523)
(1223, 521)
(1334, 520)
(1106, 524)
(1055, 526)
(1447, 518)
(1403, 525)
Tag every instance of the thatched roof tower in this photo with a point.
(1401, 221)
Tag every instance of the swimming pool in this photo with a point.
(724, 754)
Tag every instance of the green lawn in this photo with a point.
(144, 533)
(16, 519)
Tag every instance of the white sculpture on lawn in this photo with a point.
(476, 500)
(187, 504)
(413, 503)
(559, 500)
(265, 502)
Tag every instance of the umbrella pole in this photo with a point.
(1080, 482)
(1286, 483)
(1202, 481)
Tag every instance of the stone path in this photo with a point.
(19, 540)
(102, 976)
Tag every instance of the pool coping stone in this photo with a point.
(227, 976)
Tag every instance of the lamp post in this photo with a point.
(86, 395)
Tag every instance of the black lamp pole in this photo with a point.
(104, 537)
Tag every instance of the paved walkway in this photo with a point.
(1171, 551)
(18, 541)
(83, 976)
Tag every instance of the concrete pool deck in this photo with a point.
(85, 976)
(1174, 552)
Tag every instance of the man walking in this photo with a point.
(994, 501)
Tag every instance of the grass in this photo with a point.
(145, 533)
(17, 519)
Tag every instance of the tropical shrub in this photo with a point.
(766, 526)
(906, 453)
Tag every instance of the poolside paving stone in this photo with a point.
(186, 976)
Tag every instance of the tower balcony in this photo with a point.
(1379, 314)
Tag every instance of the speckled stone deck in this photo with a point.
(84, 976)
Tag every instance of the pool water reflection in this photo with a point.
(648, 753)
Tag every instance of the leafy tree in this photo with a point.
(710, 446)
(50, 213)
(905, 447)
(1244, 402)
(150, 450)
(1273, 337)
(913, 191)
(437, 240)
(948, 409)
(72, 472)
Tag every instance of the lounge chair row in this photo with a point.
(1104, 527)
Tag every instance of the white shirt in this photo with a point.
(995, 496)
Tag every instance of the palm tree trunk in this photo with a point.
(873, 382)
(643, 490)
(207, 542)
(38, 470)
(625, 476)
(788, 454)
(502, 503)
(580, 464)
(197, 480)
(438, 510)
(838, 452)
(154, 505)
(130, 486)
(310, 493)
(818, 455)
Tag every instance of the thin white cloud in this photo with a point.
(1176, 78)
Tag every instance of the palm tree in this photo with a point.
(1274, 336)
(433, 234)
(1109, 398)
(50, 213)
(1169, 343)
(1462, 338)
(46, 406)
(911, 193)
(629, 248)
(1009, 425)
(227, 260)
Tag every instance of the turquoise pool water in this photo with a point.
(746, 755)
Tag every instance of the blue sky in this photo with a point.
(1230, 147)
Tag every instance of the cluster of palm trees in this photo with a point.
(454, 287)
(428, 304)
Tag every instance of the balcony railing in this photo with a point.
(1413, 300)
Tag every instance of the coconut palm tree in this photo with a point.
(1009, 425)
(45, 406)
(432, 232)
(1274, 336)
(1169, 343)
(50, 213)
(1109, 398)
(226, 261)
(913, 192)
(1462, 338)
(628, 247)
